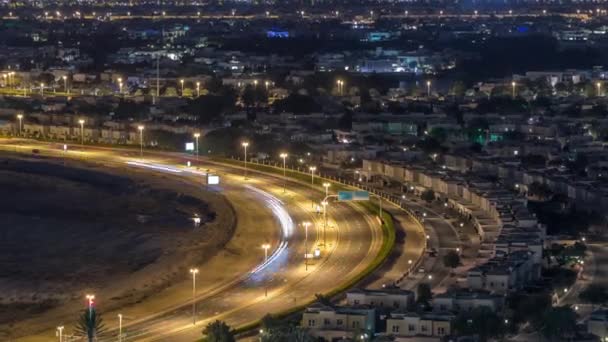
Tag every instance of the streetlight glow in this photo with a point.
(284, 156)
(141, 140)
(245, 144)
(194, 272)
(266, 247)
(196, 136)
(312, 174)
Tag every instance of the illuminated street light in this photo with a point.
(182, 83)
(312, 174)
(196, 136)
(266, 246)
(90, 301)
(42, 89)
(119, 85)
(198, 89)
(513, 85)
(119, 327)
(266, 83)
(65, 84)
(306, 224)
(284, 156)
(81, 122)
(141, 140)
(245, 144)
(599, 89)
(324, 204)
(20, 117)
(326, 185)
(428, 88)
(194, 272)
(340, 87)
(60, 332)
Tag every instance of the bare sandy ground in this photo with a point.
(66, 231)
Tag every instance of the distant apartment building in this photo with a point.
(338, 322)
(403, 326)
(386, 298)
(505, 273)
(466, 300)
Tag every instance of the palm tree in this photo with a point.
(90, 324)
(218, 331)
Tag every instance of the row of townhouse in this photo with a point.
(504, 273)
(473, 197)
(588, 192)
(64, 132)
(510, 234)
(389, 312)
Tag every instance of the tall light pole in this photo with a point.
(284, 156)
(326, 185)
(266, 83)
(42, 89)
(90, 301)
(312, 174)
(245, 144)
(266, 246)
(198, 89)
(141, 140)
(81, 122)
(120, 85)
(428, 88)
(196, 136)
(194, 272)
(20, 117)
(119, 327)
(599, 89)
(513, 85)
(65, 84)
(324, 204)
(306, 224)
(60, 332)
(182, 83)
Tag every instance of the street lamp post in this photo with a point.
(194, 272)
(266, 246)
(599, 89)
(60, 332)
(513, 85)
(306, 225)
(198, 89)
(119, 327)
(182, 83)
(65, 84)
(120, 85)
(245, 144)
(20, 117)
(81, 122)
(428, 88)
(324, 204)
(312, 174)
(196, 136)
(284, 156)
(140, 128)
(326, 185)
(90, 299)
(42, 89)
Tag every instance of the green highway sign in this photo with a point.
(353, 196)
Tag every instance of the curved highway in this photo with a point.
(353, 241)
